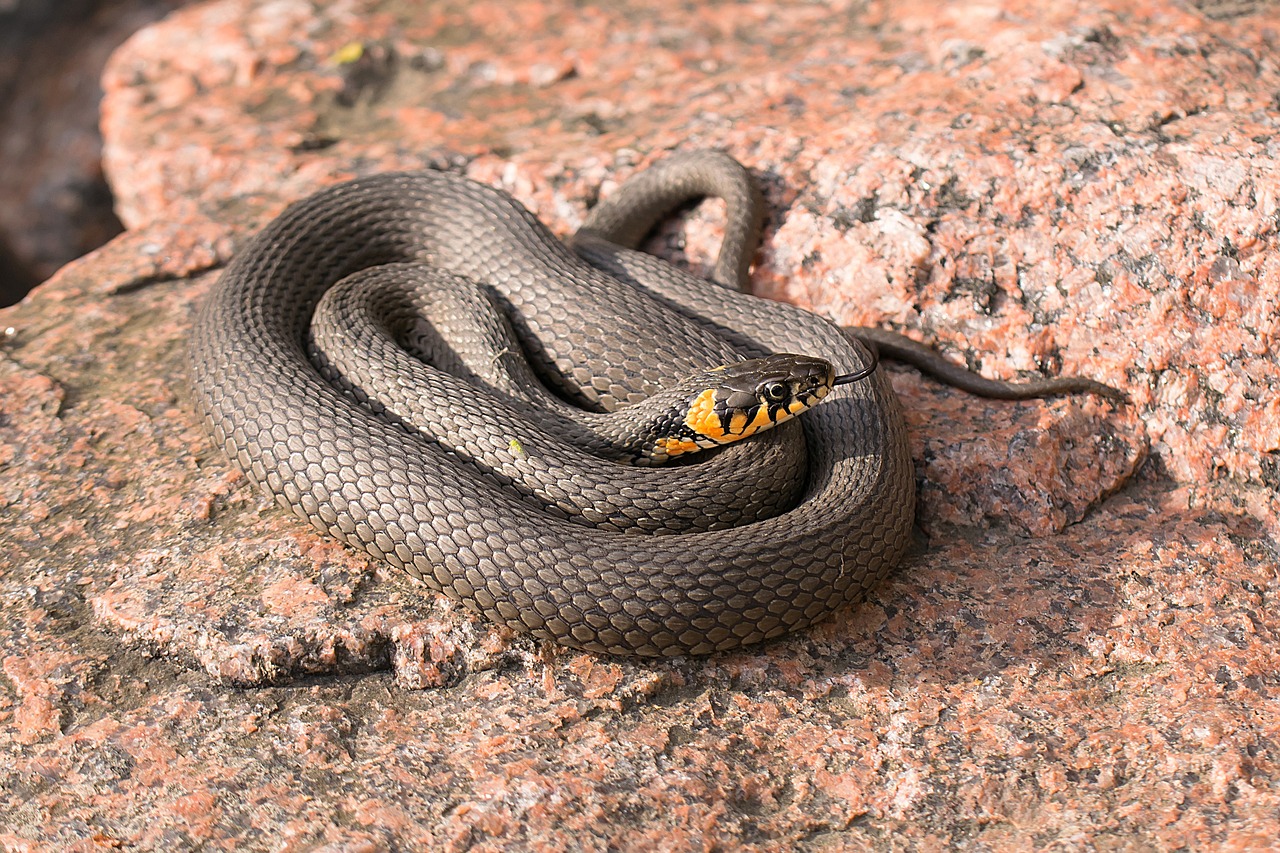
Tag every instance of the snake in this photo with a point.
(417, 443)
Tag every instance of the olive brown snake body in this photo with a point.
(616, 325)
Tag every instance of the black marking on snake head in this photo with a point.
(774, 382)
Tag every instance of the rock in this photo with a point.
(1081, 646)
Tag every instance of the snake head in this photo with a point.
(730, 403)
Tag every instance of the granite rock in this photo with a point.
(1080, 651)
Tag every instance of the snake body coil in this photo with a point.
(604, 333)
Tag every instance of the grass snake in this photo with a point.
(438, 472)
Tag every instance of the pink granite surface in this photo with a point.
(1081, 652)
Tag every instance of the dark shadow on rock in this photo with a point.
(56, 203)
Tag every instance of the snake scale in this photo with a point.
(605, 326)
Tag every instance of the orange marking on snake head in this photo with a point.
(703, 417)
(762, 420)
(747, 422)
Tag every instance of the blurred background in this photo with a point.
(54, 203)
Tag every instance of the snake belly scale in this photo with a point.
(614, 330)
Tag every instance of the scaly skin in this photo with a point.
(614, 338)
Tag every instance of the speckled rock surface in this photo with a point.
(1075, 655)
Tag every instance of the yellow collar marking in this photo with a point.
(702, 417)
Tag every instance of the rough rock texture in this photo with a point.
(1076, 655)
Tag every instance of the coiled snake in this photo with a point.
(739, 545)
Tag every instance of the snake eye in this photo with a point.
(776, 391)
